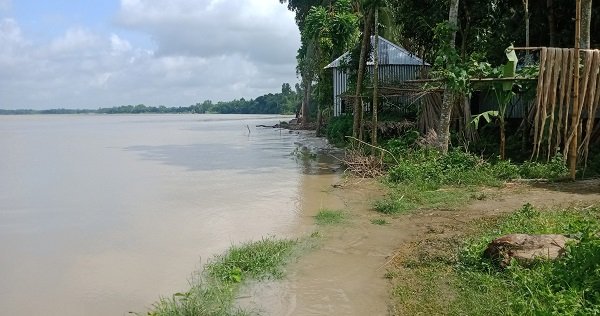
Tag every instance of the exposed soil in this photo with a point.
(345, 275)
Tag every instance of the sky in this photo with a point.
(89, 54)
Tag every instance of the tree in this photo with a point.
(586, 20)
(443, 132)
(362, 63)
(374, 124)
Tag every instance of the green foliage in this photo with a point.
(506, 170)
(568, 286)
(213, 292)
(260, 259)
(330, 217)
(487, 116)
(556, 169)
(338, 128)
(394, 205)
(432, 170)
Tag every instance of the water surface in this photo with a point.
(100, 215)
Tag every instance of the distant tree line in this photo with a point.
(285, 102)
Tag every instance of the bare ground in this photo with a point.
(346, 275)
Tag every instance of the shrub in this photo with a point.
(505, 170)
(555, 169)
(338, 128)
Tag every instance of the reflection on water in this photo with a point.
(99, 215)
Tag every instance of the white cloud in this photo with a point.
(119, 45)
(219, 50)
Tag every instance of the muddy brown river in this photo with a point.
(101, 215)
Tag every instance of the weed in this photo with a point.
(213, 291)
(479, 196)
(379, 221)
(257, 260)
(391, 274)
(330, 217)
(393, 205)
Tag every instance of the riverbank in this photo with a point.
(386, 265)
(382, 243)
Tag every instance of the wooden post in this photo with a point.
(572, 159)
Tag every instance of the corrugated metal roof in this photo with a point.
(389, 54)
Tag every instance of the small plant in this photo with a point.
(329, 217)
(391, 275)
(479, 196)
(393, 206)
(379, 221)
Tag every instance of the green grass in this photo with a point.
(379, 221)
(213, 291)
(330, 217)
(406, 197)
(441, 280)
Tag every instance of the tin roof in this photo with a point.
(389, 54)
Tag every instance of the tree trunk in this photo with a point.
(358, 107)
(586, 18)
(375, 79)
(526, 5)
(551, 23)
(448, 101)
(306, 101)
(572, 159)
(502, 138)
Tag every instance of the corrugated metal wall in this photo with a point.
(388, 74)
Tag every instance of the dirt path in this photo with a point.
(345, 275)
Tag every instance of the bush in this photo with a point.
(506, 170)
(431, 170)
(554, 170)
(338, 128)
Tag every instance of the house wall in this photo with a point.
(388, 74)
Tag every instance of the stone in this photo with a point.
(525, 249)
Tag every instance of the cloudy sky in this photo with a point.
(90, 54)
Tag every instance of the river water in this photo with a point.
(101, 215)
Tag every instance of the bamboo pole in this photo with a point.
(574, 124)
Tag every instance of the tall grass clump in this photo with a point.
(567, 286)
(213, 291)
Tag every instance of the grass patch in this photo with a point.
(213, 291)
(330, 217)
(407, 197)
(379, 221)
(441, 279)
